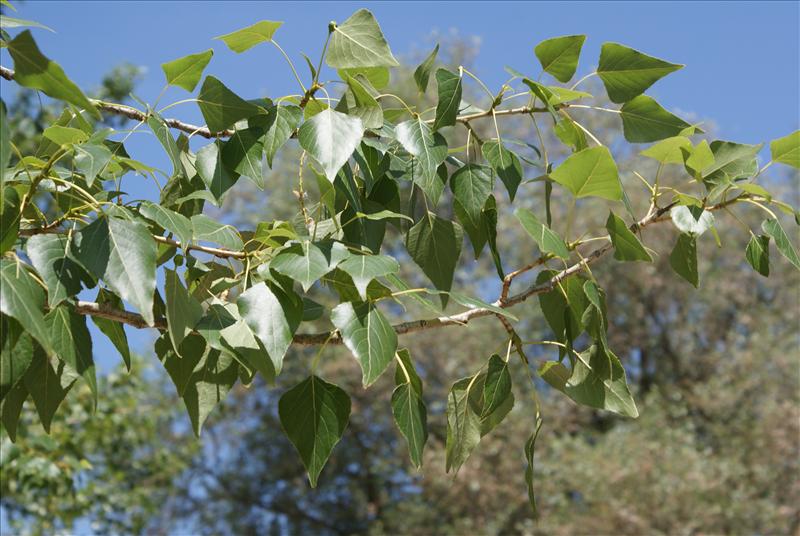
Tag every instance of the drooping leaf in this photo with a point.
(570, 133)
(364, 104)
(505, 163)
(408, 408)
(435, 245)
(281, 121)
(757, 254)
(529, 446)
(273, 315)
(49, 254)
(48, 381)
(212, 171)
(786, 150)
(489, 221)
(471, 185)
(248, 37)
(359, 42)
(90, 160)
(563, 307)
(497, 386)
(559, 55)
(626, 245)
(683, 258)
(449, 91)
(5, 158)
(731, 161)
(591, 172)
(242, 154)
(314, 415)
(644, 120)
(123, 254)
(73, 344)
(429, 150)
(627, 73)
(364, 268)
(183, 310)
(331, 137)
(23, 299)
(772, 228)
(209, 383)
(32, 69)
(463, 424)
(9, 219)
(368, 335)
(547, 240)
(16, 354)
(422, 73)
(220, 106)
(186, 72)
(306, 262)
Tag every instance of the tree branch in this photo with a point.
(461, 319)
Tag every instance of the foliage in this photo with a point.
(235, 299)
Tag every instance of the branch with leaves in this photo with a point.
(233, 301)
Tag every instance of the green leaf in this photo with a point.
(206, 229)
(112, 329)
(505, 163)
(273, 315)
(692, 220)
(429, 150)
(471, 185)
(208, 385)
(247, 38)
(183, 310)
(9, 219)
(306, 262)
(408, 408)
(61, 135)
(47, 386)
(669, 150)
(627, 73)
(701, 157)
(23, 299)
(683, 258)
(559, 55)
(378, 77)
(281, 123)
(91, 160)
(11, 22)
(644, 120)
(591, 172)
(435, 245)
(32, 69)
(359, 42)
(773, 229)
(364, 268)
(213, 172)
(50, 255)
(16, 354)
(368, 335)
(123, 254)
(366, 107)
(314, 414)
(11, 409)
(180, 368)
(5, 155)
(547, 240)
(422, 73)
(757, 254)
(186, 72)
(626, 246)
(178, 224)
(471, 303)
(594, 384)
(489, 221)
(331, 137)
(570, 133)
(563, 307)
(221, 107)
(449, 91)
(529, 445)
(73, 344)
(731, 161)
(496, 387)
(463, 424)
(786, 150)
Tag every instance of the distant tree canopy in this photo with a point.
(388, 188)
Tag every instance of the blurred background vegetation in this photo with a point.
(715, 373)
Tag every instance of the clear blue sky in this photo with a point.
(742, 58)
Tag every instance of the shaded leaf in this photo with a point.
(547, 240)
(757, 254)
(683, 258)
(626, 245)
(644, 120)
(368, 335)
(220, 106)
(435, 245)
